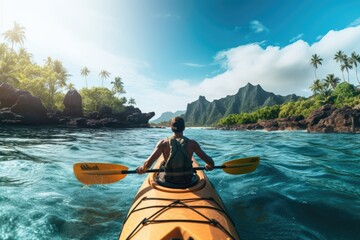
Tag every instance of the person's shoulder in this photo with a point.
(163, 141)
(189, 139)
(192, 142)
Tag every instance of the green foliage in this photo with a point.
(346, 94)
(95, 97)
(118, 86)
(344, 90)
(264, 113)
(350, 101)
(233, 119)
(48, 82)
(8, 65)
(299, 108)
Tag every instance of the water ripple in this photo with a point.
(306, 186)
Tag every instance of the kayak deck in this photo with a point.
(160, 212)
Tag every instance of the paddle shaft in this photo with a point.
(195, 168)
(105, 173)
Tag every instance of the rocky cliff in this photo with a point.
(18, 107)
(247, 99)
(326, 119)
(167, 116)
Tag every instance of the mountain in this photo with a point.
(167, 116)
(247, 99)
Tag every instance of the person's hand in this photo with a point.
(140, 170)
(209, 167)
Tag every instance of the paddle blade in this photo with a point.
(99, 173)
(241, 165)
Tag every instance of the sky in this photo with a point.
(170, 52)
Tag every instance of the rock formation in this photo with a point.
(330, 119)
(247, 99)
(19, 107)
(73, 104)
(326, 119)
(31, 109)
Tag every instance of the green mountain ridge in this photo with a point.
(247, 99)
(167, 116)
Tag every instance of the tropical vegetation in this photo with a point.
(51, 80)
(329, 90)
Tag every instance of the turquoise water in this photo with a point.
(306, 186)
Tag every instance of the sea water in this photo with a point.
(307, 186)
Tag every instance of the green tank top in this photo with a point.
(178, 167)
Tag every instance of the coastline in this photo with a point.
(326, 119)
(21, 108)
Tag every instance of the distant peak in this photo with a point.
(202, 98)
(250, 88)
(250, 85)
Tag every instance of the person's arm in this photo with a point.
(201, 154)
(150, 160)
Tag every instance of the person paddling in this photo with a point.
(177, 151)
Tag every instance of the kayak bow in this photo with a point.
(196, 212)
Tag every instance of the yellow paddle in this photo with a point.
(105, 173)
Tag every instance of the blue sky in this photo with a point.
(168, 52)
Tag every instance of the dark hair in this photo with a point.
(177, 124)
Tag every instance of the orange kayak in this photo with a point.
(190, 213)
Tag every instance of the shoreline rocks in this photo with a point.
(326, 119)
(19, 107)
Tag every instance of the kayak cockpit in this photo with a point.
(161, 181)
(197, 184)
(194, 211)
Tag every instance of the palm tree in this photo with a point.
(118, 86)
(15, 35)
(340, 57)
(62, 74)
(315, 61)
(48, 61)
(317, 87)
(103, 75)
(331, 81)
(354, 60)
(56, 79)
(85, 72)
(70, 86)
(8, 66)
(132, 102)
(24, 56)
(346, 66)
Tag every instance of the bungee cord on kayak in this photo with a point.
(176, 203)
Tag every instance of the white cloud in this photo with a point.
(257, 27)
(298, 37)
(196, 65)
(280, 70)
(318, 38)
(355, 23)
